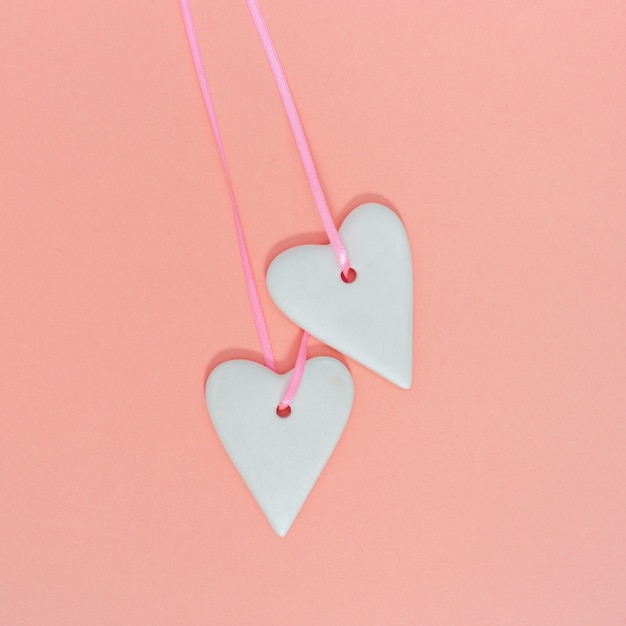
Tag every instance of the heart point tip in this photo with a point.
(404, 382)
(281, 532)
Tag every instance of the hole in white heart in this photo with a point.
(351, 277)
(286, 412)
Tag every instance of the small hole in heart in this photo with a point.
(351, 277)
(286, 412)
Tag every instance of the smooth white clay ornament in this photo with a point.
(279, 458)
(369, 319)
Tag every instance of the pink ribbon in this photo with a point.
(299, 136)
(253, 294)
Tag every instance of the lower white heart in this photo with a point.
(278, 458)
(370, 319)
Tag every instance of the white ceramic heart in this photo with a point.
(370, 319)
(278, 458)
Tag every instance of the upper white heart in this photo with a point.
(370, 319)
(278, 458)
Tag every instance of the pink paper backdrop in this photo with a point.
(493, 492)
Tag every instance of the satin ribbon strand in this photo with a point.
(299, 136)
(253, 294)
(294, 382)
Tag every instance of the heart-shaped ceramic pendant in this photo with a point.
(278, 458)
(369, 319)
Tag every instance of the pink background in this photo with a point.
(493, 492)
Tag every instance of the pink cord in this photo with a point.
(253, 294)
(298, 369)
(299, 136)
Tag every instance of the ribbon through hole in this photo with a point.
(286, 412)
(351, 277)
